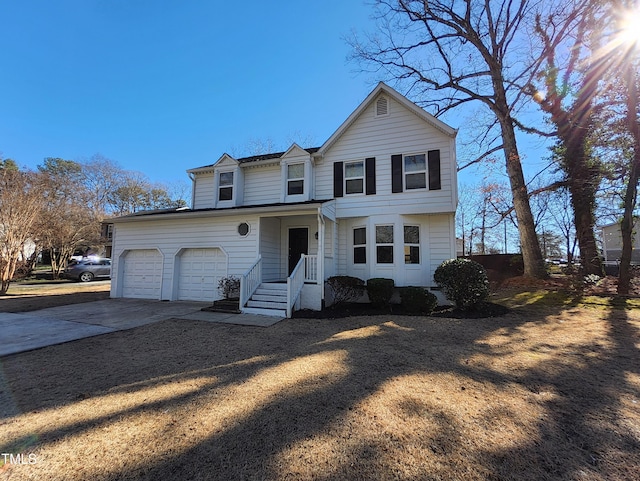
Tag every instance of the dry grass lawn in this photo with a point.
(22, 298)
(549, 392)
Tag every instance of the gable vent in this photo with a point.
(382, 106)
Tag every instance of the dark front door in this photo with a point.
(298, 245)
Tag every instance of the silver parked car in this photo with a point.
(87, 270)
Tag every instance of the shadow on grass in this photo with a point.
(27, 303)
(278, 435)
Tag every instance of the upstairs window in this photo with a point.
(354, 177)
(225, 186)
(295, 179)
(412, 171)
(415, 172)
(360, 245)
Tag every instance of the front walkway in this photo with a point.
(46, 327)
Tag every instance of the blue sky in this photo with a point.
(162, 86)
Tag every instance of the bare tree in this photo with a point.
(101, 176)
(569, 96)
(452, 54)
(65, 228)
(21, 203)
(627, 42)
(561, 219)
(68, 221)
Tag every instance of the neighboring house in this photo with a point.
(612, 243)
(377, 199)
(106, 237)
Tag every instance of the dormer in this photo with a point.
(228, 183)
(297, 175)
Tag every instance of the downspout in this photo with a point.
(193, 189)
(321, 226)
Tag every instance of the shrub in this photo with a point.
(345, 288)
(229, 286)
(464, 282)
(380, 291)
(418, 300)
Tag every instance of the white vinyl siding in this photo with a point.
(270, 240)
(441, 241)
(399, 132)
(204, 191)
(171, 236)
(435, 245)
(262, 185)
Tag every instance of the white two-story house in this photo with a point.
(377, 199)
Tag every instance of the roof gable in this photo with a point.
(295, 151)
(401, 99)
(224, 160)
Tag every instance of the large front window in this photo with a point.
(354, 177)
(360, 245)
(384, 244)
(225, 186)
(411, 244)
(295, 179)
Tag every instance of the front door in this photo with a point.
(298, 245)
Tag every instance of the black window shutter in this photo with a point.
(370, 175)
(434, 169)
(396, 173)
(338, 175)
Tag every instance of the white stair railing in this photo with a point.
(311, 268)
(250, 281)
(295, 283)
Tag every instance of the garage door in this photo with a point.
(199, 273)
(142, 275)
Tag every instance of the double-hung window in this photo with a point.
(415, 171)
(411, 244)
(295, 179)
(354, 177)
(360, 245)
(225, 186)
(384, 244)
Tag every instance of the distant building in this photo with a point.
(612, 243)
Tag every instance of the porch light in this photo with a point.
(315, 235)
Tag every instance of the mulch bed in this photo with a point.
(483, 310)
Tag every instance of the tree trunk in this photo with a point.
(582, 172)
(7, 272)
(583, 180)
(531, 253)
(626, 226)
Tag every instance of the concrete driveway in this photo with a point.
(32, 330)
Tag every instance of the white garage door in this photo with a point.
(142, 275)
(200, 271)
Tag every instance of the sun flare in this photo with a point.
(629, 31)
